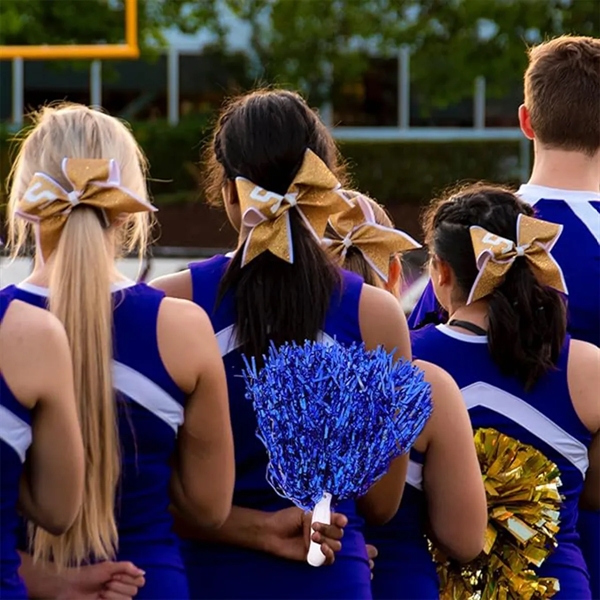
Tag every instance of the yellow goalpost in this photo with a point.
(130, 49)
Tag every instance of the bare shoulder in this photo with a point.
(32, 327)
(184, 317)
(583, 376)
(376, 301)
(37, 342)
(382, 322)
(585, 357)
(436, 376)
(177, 285)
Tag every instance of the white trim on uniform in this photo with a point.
(517, 410)
(14, 432)
(146, 393)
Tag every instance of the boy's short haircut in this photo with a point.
(562, 93)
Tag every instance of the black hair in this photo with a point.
(527, 322)
(263, 136)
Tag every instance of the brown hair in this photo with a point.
(355, 260)
(562, 92)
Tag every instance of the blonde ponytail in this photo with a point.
(80, 297)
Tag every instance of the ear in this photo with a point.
(525, 122)
(394, 275)
(440, 271)
(230, 196)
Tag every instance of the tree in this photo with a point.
(304, 43)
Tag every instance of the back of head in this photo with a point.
(263, 137)
(355, 260)
(562, 87)
(81, 270)
(526, 320)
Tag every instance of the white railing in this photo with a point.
(402, 132)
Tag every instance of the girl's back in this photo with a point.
(219, 571)
(543, 417)
(150, 412)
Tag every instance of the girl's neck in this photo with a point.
(475, 313)
(40, 276)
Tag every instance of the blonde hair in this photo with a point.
(80, 296)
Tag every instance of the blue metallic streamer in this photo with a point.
(333, 417)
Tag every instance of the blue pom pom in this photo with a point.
(333, 417)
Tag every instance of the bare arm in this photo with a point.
(452, 478)
(383, 323)
(204, 470)
(52, 483)
(583, 374)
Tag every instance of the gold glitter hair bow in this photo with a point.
(495, 255)
(95, 183)
(357, 226)
(315, 193)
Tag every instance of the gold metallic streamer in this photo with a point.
(495, 255)
(523, 506)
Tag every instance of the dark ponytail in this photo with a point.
(263, 137)
(526, 325)
(527, 322)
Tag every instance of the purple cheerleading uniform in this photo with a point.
(225, 571)
(150, 411)
(15, 439)
(577, 251)
(544, 418)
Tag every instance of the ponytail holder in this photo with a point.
(95, 183)
(314, 193)
(495, 255)
(357, 226)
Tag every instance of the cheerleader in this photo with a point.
(444, 496)
(275, 166)
(41, 466)
(506, 345)
(149, 379)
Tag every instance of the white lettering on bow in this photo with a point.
(496, 240)
(261, 195)
(32, 195)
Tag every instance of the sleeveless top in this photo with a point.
(15, 439)
(216, 571)
(543, 417)
(577, 251)
(150, 410)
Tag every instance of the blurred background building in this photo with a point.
(421, 94)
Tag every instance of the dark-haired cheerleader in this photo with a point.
(506, 345)
(276, 167)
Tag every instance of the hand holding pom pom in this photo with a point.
(332, 419)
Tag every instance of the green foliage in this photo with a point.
(300, 43)
(392, 172)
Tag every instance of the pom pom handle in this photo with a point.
(321, 514)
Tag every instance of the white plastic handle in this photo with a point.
(321, 514)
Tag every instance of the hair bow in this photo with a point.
(95, 183)
(315, 193)
(494, 255)
(358, 227)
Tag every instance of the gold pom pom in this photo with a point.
(523, 512)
